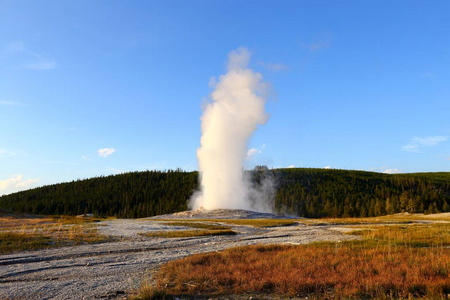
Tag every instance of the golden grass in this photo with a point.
(417, 235)
(25, 233)
(187, 233)
(392, 262)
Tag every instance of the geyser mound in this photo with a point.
(220, 214)
(236, 109)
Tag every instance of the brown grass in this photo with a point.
(342, 271)
(391, 262)
(418, 235)
(30, 233)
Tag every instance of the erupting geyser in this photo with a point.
(228, 121)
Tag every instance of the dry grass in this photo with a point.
(334, 271)
(392, 262)
(417, 235)
(30, 233)
(403, 218)
(187, 233)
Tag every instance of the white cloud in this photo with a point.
(327, 167)
(252, 152)
(84, 157)
(255, 151)
(14, 47)
(105, 152)
(392, 171)
(43, 65)
(291, 167)
(16, 183)
(274, 67)
(11, 103)
(416, 143)
(7, 153)
(19, 49)
(322, 43)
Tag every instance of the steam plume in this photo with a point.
(228, 121)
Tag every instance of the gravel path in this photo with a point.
(113, 270)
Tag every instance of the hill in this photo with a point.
(302, 192)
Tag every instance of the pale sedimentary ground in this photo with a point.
(113, 270)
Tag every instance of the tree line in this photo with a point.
(301, 192)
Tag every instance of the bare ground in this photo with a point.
(113, 270)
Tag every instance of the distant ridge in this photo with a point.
(299, 191)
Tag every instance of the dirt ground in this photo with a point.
(113, 270)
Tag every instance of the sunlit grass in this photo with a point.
(417, 235)
(31, 233)
(391, 262)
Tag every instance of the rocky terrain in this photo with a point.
(113, 270)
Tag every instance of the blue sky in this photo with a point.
(91, 88)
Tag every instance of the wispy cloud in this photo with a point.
(416, 143)
(428, 75)
(14, 47)
(252, 152)
(11, 103)
(40, 63)
(255, 151)
(16, 183)
(6, 153)
(319, 44)
(105, 152)
(291, 167)
(273, 67)
(392, 171)
(327, 167)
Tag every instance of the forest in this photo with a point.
(298, 191)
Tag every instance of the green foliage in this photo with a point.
(342, 193)
(129, 195)
(301, 192)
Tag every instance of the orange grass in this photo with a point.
(323, 270)
(28, 233)
(419, 235)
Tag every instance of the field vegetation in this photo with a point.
(390, 262)
(30, 232)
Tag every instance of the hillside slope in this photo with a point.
(302, 192)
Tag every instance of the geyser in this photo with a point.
(235, 110)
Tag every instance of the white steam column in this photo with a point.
(228, 121)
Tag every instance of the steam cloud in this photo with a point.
(228, 121)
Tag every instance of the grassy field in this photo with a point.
(397, 261)
(30, 232)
